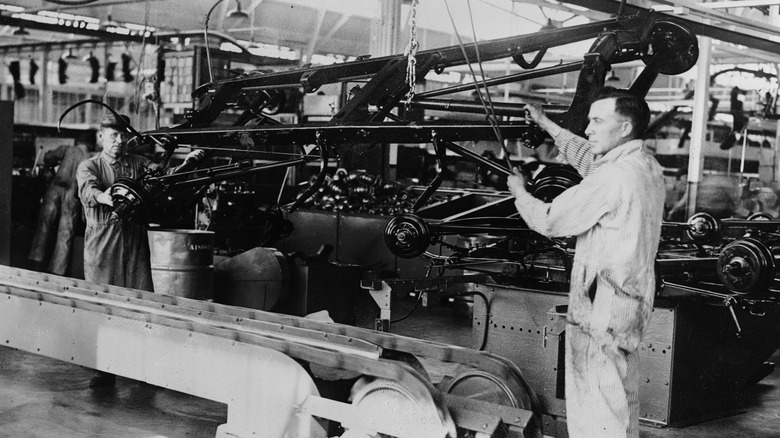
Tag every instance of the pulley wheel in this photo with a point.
(480, 385)
(760, 216)
(702, 227)
(129, 198)
(675, 47)
(395, 411)
(407, 236)
(553, 180)
(746, 266)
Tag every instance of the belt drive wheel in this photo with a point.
(480, 385)
(129, 198)
(702, 227)
(396, 411)
(553, 180)
(746, 266)
(407, 236)
(675, 48)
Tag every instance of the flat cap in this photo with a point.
(109, 120)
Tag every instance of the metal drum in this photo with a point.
(182, 262)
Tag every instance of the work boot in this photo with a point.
(102, 380)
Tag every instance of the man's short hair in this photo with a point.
(628, 105)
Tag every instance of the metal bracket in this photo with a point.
(382, 297)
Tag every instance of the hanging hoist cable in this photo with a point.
(489, 112)
(411, 54)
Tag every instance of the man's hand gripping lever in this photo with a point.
(535, 135)
(520, 180)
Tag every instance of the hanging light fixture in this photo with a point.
(21, 31)
(613, 77)
(237, 13)
(69, 55)
(109, 22)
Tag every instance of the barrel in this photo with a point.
(182, 262)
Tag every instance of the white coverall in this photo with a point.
(615, 213)
(115, 253)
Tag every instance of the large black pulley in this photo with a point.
(746, 266)
(407, 236)
(130, 198)
(702, 227)
(675, 48)
(552, 180)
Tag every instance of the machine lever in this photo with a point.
(729, 303)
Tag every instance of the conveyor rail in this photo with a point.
(331, 345)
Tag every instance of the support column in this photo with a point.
(774, 19)
(386, 29)
(699, 121)
(44, 96)
(385, 36)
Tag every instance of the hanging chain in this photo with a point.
(411, 53)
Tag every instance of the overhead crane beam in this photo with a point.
(731, 33)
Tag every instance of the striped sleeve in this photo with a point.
(574, 150)
(572, 213)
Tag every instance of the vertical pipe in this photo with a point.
(45, 93)
(385, 35)
(699, 121)
(386, 28)
(6, 159)
(776, 157)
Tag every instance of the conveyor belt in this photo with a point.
(330, 345)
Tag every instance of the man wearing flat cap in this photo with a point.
(115, 252)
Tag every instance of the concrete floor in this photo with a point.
(44, 398)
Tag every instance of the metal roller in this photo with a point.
(396, 411)
(702, 227)
(407, 236)
(746, 266)
(478, 384)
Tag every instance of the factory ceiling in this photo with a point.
(745, 31)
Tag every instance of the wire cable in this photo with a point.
(414, 307)
(492, 112)
(488, 112)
